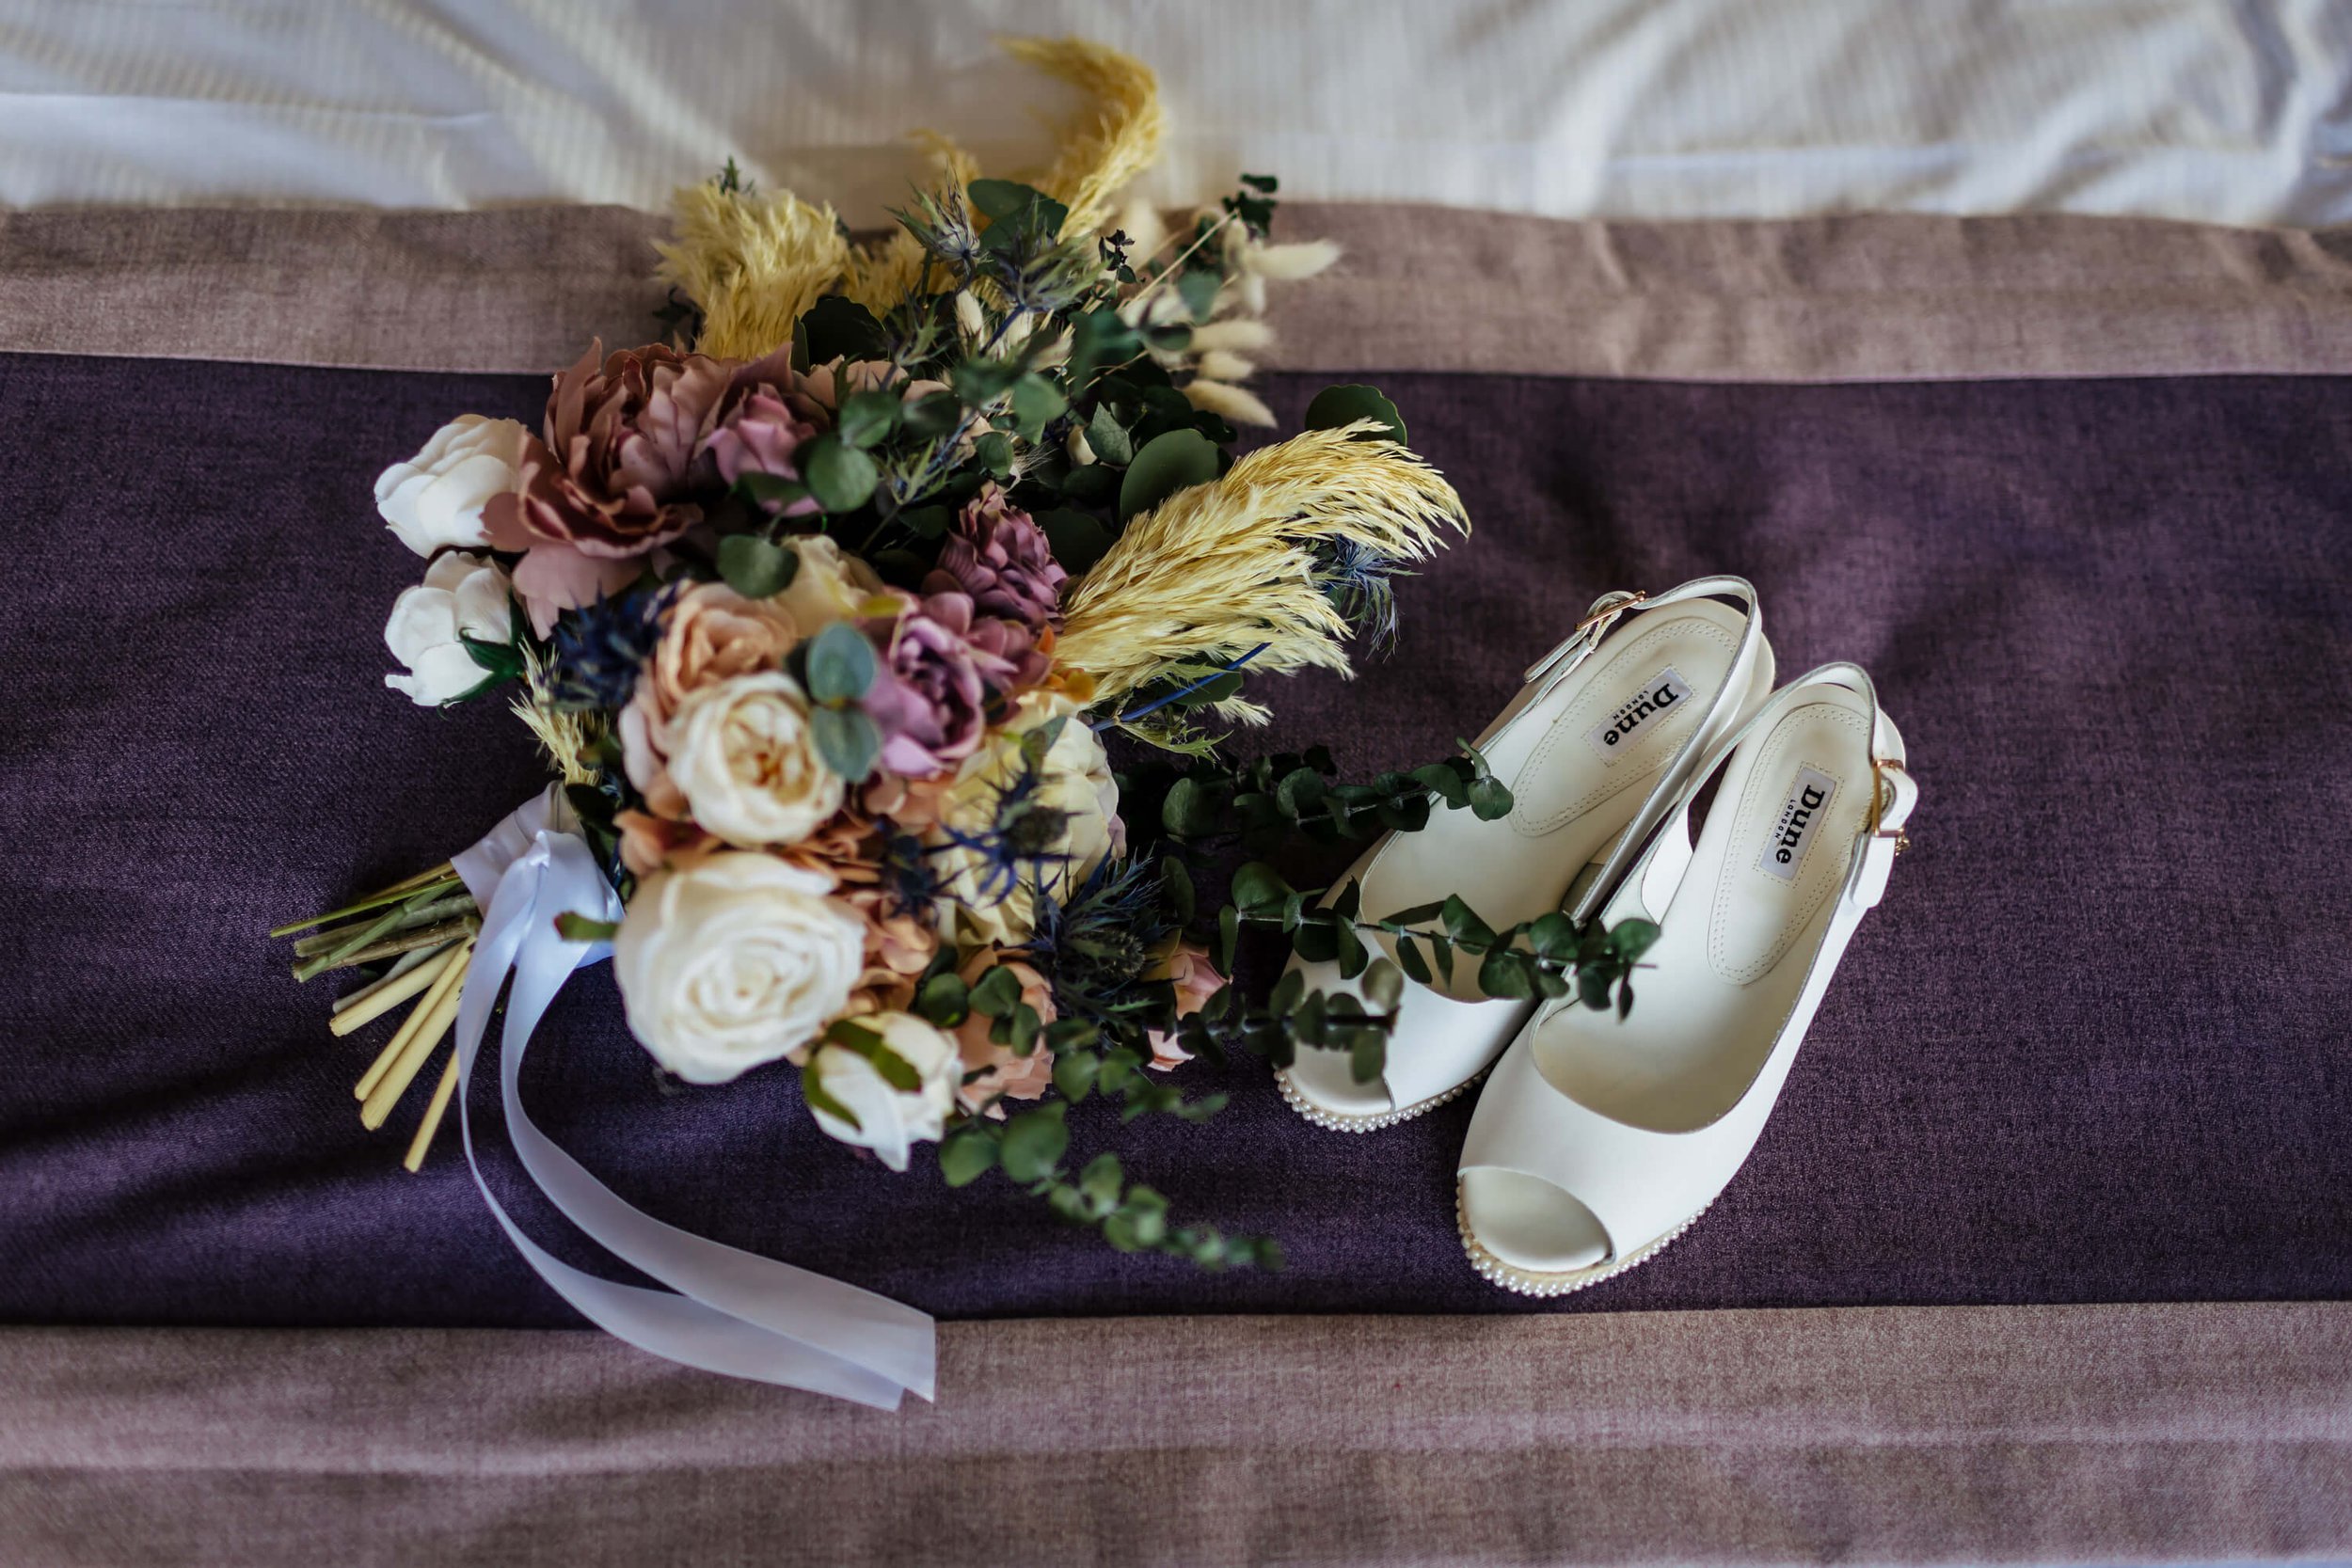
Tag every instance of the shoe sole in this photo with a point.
(1336, 1121)
(1527, 1282)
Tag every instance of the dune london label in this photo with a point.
(1660, 695)
(1793, 835)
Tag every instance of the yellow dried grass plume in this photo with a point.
(1101, 156)
(1216, 570)
(753, 263)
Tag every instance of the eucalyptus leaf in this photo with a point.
(840, 476)
(1503, 973)
(841, 664)
(1078, 538)
(997, 993)
(846, 740)
(755, 568)
(1034, 1144)
(1108, 438)
(1337, 406)
(1177, 460)
(1035, 401)
(837, 328)
(944, 999)
(965, 1157)
(867, 418)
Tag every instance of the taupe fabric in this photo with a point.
(2120, 1434)
(1865, 298)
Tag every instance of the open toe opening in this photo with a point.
(1529, 1223)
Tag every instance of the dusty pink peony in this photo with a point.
(761, 423)
(929, 697)
(609, 477)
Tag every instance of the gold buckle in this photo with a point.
(1597, 617)
(1880, 790)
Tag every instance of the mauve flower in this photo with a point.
(609, 478)
(760, 425)
(998, 555)
(992, 1069)
(929, 697)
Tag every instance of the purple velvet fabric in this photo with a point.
(2091, 1048)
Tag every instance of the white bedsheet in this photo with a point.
(2205, 109)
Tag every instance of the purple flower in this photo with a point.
(761, 426)
(1000, 557)
(929, 697)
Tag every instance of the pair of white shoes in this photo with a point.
(1600, 1140)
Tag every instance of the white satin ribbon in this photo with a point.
(731, 1311)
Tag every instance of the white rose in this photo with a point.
(742, 753)
(434, 500)
(461, 594)
(1075, 778)
(890, 1122)
(828, 587)
(735, 961)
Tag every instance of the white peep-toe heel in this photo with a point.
(1595, 747)
(1599, 1141)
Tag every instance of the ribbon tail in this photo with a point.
(735, 1311)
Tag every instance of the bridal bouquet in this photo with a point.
(824, 612)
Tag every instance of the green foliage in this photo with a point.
(1265, 801)
(1335, 406)
(1545, 958)
(1177, 460)
(755, 568)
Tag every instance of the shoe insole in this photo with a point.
(1738, 939)
(1580, 762)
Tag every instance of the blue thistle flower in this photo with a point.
(600, 648)
(1359, 582)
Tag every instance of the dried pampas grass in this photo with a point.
(751, 263)
(1217, 570)
(1099, 159)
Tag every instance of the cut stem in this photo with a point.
(406, 942)
(377, 899)
(401, 966)
(384, 998)
(409, 915)
(403, 1071)
(433, 1113)
(452, 975)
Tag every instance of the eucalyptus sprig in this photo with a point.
(1029, 1149)
(1263, 802)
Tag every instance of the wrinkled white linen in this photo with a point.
(2233, 111)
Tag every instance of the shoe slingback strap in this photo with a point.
(1726, 702)
(1653, 885)
(1607, 612)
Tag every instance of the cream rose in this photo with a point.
(1073, 779)
(462, 595)
(734, 961)
(828, 587)
(711, 633)
(434, 500)
(890, 1122)
(742, 754)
